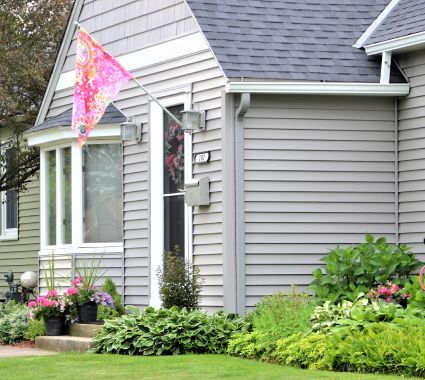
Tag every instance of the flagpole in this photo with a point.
(144, 89)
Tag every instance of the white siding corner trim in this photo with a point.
(315, 88)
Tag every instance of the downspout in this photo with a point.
(396, 167)
(240, 201)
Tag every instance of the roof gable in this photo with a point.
(291, 39)
(406, 18)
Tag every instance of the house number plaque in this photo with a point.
(202, 158)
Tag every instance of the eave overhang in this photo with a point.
(319, 88)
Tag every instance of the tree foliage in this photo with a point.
(30, 36)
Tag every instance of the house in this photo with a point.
(314, 116)
(19, 226)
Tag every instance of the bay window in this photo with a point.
(82, 197)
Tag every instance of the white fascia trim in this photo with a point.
(372, 27)
(405, 43)
(60, 60)
(152, 55)
(57, 135)
(365, 89)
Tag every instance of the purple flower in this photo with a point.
(103, 298)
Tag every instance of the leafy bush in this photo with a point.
(378, 348)
(14, 319)
(35, 328)
(167, 332)
(254, 345)
(179, 282)
(283, 313)
(359, 314)
(417, 299)
(356, 269)
(383, 348)
(314, 351)
(109, 312)
(274, 317)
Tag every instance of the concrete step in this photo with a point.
(64, 343)
(84, 330)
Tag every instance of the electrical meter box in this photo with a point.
(197, 192)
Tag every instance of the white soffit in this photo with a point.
(406, 43)
(319, 88)
(57, 135)
(163, 52)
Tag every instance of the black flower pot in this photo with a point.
(87, 312)
(54, 326)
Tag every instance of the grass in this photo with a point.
(190, 367)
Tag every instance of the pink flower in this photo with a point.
(78, 280)
(71, 291)
(389, 292)
(406, 295)
(43, 301)
(382, 291)
(53, 304)
(32, 304)
(395, 288)
(388, 299)
(52, 294)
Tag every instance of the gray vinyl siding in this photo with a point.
(124, 26)
(411, 158)
(21, 255)
(202, 72)
(319, 171)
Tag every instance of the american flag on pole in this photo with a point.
(99, 78)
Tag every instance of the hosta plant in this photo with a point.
(167, 332)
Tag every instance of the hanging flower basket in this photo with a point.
(55, 326)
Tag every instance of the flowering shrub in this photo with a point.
(14, 321)
(51, 305)
(389, 292)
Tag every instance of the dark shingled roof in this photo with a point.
(407, 17)
(112, 115)
(291, 39)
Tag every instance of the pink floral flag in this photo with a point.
(99, 78)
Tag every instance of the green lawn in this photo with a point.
(89, 367)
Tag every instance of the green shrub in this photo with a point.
(383, 348)
(104, 312)
(356, 269)
(167, 332)
(394, 347)
(254, 345)
(14, 319)
(314, 351)
(179, 282)
(283, 313)
(417, 299)
(330, 317)
(35, 328)
(275, 317)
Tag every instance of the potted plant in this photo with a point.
(52, 308)
(84, 298)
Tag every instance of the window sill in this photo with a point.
(9, 238)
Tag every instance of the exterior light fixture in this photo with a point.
(130, 131)
(193, 120)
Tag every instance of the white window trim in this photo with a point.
(77, 199)
(157, 189)
(6, 233)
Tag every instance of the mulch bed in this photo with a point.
(24, 344)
